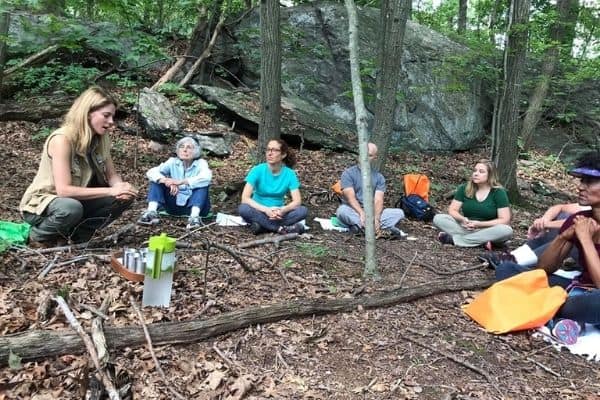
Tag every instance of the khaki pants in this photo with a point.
(462, 237)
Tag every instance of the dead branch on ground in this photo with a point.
(37, 344)
(110, 388)
(270, 239)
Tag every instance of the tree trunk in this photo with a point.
(494, 20)
(360, 111)
(196, 34)
(270, 75)
(505, 149)
(394, 14)
(4, 25)
(49, 343)
(462, 17)
(35, 113)
(561, 42)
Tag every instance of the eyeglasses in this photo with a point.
(273, 150)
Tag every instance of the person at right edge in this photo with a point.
(581, 230)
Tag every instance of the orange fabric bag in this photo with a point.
(417, 184)
(521, 302)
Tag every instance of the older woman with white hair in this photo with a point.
(180, 185)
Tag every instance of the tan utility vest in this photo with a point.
(42, 190)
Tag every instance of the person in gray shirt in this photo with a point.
(351, 212)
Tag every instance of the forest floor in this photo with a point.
(363, 354)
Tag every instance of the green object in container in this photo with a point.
(13, 233)
(160, 246)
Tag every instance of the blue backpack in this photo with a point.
(416, 207)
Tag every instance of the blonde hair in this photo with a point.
(493, 179)
(76, 125)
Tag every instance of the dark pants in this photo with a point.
(541, 243)
(251, 214)
(199, 198)
(582, 308)
(77, 220)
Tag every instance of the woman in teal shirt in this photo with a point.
(479, 213)
(263, 198)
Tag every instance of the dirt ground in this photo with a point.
(426, 349)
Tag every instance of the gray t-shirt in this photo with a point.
(351, 177)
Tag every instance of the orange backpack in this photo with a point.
(417, 184)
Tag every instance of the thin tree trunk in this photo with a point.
(360, 111)
(38, 344)
(505, 148)
(562, 41)
(270, 75)
(494, 20)
(462, 17)
(4, 25)
(394, 14)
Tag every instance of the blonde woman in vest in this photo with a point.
(76, 189)
(479, 214)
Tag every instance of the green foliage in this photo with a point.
(64, 292)
(313, 250)
(288, 263)
(71, 78)
(42, 134)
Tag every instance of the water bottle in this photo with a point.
(158, 276)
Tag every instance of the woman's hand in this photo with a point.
(123, 191)
(275, 213)
(468, 224)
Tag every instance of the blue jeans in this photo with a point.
(160, 194)
(583, 308)
(251, 214)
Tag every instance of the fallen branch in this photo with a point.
(110, 388)
(45, 343)
(205, 54)
(271, 239)
(151, 349)
(52, 264)
(452, 357)
(40, 55)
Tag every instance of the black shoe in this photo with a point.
(296, 228)
(256, 228)
(494, 258)
(397, 233)
(445, 238)
(356, 230)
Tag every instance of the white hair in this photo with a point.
(192, 141)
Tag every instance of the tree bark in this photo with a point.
(4, 25)
(205, 54)
(196, 34)
(505, 149)
(270, 75)
(35, 113)
(394, 14)
(45, 343)
(360, 112)
(561, 42)
(462, 17)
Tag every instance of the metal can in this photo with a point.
(139, 264)
(133, 257)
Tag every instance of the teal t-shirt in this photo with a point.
(482, 210)
(270, 190)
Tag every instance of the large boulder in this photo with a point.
(437, 109)
(160, 119)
